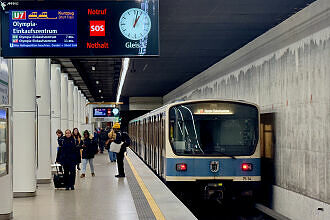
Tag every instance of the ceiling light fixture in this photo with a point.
(97, 82)
(93, 68)
(123, 73)
(100, 90)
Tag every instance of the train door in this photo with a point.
(162, 145)
(267, 152)
(154, 147)
(145, 139)
(158, 145)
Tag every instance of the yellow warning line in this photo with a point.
(153, 205)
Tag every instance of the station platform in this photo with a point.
(141, 195)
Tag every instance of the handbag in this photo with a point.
(115, 147)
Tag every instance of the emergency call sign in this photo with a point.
(80, 29)
(97, 28)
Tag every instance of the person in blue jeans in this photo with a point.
(112, 156)
(89, 149)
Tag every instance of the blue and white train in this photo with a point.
(210, 143)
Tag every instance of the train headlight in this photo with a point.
(181, 167)
(247, 167)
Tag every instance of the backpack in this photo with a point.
(104, 135)
(126, 139)
(118, 139)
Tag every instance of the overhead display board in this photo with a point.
(106, 112)
(80, 28)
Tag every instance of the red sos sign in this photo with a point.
(96, 28)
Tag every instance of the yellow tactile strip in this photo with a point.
(153, 205)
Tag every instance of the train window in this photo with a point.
(214, 128)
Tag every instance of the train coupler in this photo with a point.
(214, 191)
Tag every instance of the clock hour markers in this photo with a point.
(135, 24)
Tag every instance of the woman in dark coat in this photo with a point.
(68, 158)
(59, 134)
(89, 149)
(76, 135)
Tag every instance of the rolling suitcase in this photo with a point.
(59, 178)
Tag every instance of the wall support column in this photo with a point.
(64, 102)
(55, 107)
(44, 143)
(79, 109)
(70, 104)
(75, 106)
(24, 127)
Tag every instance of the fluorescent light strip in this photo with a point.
(122, 77)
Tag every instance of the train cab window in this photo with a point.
(214, 128)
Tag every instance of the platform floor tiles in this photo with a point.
(100, 197)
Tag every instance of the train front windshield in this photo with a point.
(214, 129)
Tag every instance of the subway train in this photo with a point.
(210, 145)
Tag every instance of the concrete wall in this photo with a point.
(286, 71)
(145, 103)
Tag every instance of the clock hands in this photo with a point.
(136, 20)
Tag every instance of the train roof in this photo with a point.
(167, 106)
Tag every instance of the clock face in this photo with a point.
(135, 24)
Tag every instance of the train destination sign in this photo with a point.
(42, 28)
(80, 29)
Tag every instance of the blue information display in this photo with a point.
(100, 112)
(106, 112)
(79, 28)
(43, 28)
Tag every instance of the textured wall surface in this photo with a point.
(293, 82)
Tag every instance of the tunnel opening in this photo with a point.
(267, 152)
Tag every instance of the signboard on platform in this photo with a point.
(43, 29)
(80, 29)
(106, 112)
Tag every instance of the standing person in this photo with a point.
(59, 134)
(89, 149)
(76, 135)
(103, 139)
(112, 137)
(68, 158)
(96, 137)
(121, 137)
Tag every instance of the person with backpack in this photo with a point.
(89, 149)
(96, 137)
(103, 139)
(123, 139)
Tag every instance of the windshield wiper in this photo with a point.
(227, 155)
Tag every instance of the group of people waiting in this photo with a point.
(106, 137)
(71, 149)
(74, 149)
